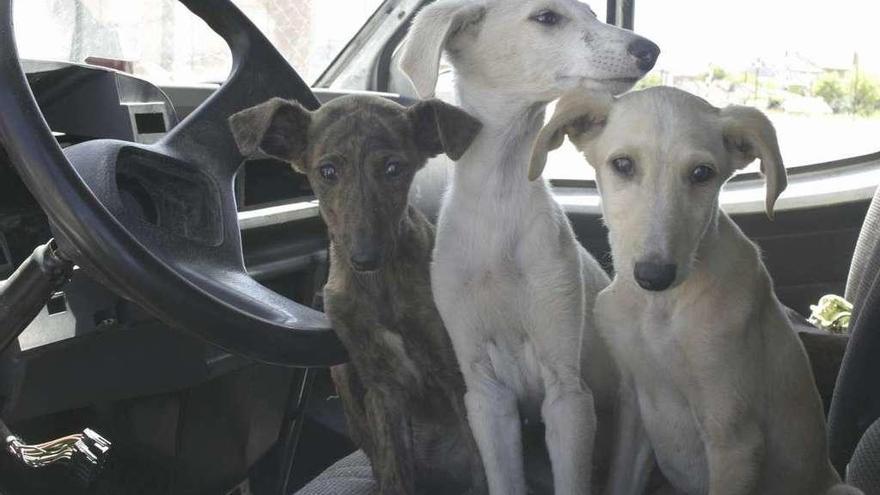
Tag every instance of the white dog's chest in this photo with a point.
(516, 366)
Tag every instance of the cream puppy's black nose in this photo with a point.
(654, 276)
(645, 52)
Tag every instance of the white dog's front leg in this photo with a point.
(632, 458)
(570, 417)
(494, 418)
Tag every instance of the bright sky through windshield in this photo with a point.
(731, 34)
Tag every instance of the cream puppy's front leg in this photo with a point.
(632, 458)
(493, 412)
(722, 398)
(734, 450)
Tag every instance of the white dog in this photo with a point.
(717, 379)
(514, 287)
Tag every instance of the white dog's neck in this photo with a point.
(497, 161)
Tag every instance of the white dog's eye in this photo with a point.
(547, 17)
(624, 166)
(701, 174)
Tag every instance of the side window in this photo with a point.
(813, 68)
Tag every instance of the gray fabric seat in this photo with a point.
(351, 475)
(863, 471)
(856, 404)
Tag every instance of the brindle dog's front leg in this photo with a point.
(351, 394)
(393, 461)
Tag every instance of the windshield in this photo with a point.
(162, 41)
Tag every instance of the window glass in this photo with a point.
(813, 67)
(165, 43)
(309, 33)
(159, 40)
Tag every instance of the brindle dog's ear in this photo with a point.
(443, 128)
(278, 128)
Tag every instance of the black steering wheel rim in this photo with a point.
(199, 288)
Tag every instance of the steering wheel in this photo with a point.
(158, 224)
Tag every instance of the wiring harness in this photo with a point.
(84, 453)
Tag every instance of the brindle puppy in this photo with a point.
(402, 392)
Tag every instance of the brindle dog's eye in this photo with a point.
(393, 169)
(624, 166)
(328, 172)
(547, 17)
(702, 174)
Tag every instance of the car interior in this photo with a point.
(162, 294)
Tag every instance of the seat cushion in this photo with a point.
(863, 471)
(351, 475)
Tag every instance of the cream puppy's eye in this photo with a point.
(702, 174)
(624, 166)
(547, 17)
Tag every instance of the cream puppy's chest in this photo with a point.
(648, 345)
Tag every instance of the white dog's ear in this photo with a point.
(431, 30)
(749, 135)
(278, 128)
(443, 128)
(579, 115)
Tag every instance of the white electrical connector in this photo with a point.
(84, 453)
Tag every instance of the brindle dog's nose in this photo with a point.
(365, 260)
(645, 52)
(654, 276)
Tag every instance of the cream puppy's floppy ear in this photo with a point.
(431, 30)
(749, 134)
(278, 128)
(577, 114)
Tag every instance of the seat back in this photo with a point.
(856, 403)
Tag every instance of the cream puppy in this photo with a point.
(718, 389)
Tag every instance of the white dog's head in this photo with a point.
(535, 49)
(661, 156)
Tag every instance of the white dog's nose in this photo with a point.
(646, 52)
(654, 276)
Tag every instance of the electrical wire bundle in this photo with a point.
(84, 453)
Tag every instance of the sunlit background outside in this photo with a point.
(814, 67)
(166, 43)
